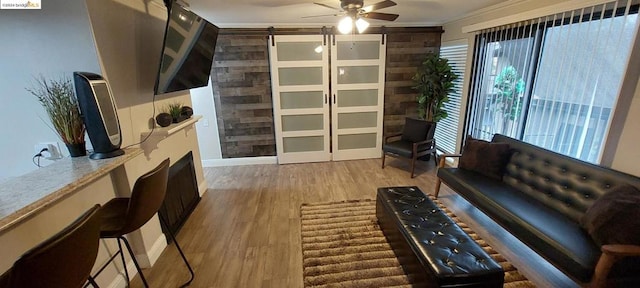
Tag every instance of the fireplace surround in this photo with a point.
(182, 194)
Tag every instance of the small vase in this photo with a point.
(77, 150)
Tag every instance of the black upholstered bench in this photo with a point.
(450, 258)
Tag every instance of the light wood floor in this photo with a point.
(246, 230)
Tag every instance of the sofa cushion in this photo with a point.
(553, 235)
(415, 130)
(484, 157)
(615, 217)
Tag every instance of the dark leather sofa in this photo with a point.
(540, 200)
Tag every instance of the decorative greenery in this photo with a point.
(434, 81)
(60, 103)
(174, 109)
(510, 88)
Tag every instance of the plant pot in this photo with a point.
(164, 119)
(77, 150)
(180, 118)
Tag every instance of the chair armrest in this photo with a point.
(621, 250)
(611, 254)
(443, 158)
(386, 139)
(423, 142)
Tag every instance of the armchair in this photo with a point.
(416, 140)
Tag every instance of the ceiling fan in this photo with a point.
(355, 12)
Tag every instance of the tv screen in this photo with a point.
(187, 54)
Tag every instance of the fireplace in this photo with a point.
(182, 194)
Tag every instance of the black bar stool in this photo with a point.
(121, 216)
(62, 261)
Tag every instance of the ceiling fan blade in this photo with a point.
(325, 15)
(381, 16)
(327, 6)
(378, 6)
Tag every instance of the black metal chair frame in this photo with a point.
(141, 206)
(135, 262)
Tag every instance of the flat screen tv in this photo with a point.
(187, 54)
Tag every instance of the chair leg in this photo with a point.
(93, 282)
(173, 238)
(124, 262)
(383, 156)
(435, 158)
(135, 262)
(413, 165)
(437, 190)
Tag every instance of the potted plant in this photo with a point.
(58, 99)
(434, 81)
(175, 110)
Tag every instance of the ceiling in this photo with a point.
(289, 13)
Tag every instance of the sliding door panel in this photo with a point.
(300, 84)
(357, 81)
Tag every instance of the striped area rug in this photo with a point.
(343, 246)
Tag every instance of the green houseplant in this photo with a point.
(175, 110)
(433, 81)
(58, 99)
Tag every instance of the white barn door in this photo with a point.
(357, 83)
(300, 83)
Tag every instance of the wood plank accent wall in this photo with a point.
(405, 52)
(242, 84)
(242, 92)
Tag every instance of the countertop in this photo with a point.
(25, 195)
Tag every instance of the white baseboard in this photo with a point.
(119, 281)
(154, 253)
(240, 161)
(202, 188)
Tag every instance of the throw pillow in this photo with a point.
(614, 218)
(415, 130)
(486, 158)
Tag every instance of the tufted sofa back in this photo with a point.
(565, 184)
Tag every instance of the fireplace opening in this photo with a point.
(182, 194)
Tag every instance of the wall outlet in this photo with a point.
(53, 150)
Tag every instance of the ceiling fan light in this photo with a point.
(345, 25)
(362, 25)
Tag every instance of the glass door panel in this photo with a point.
(358, 74)
(299, 51)
(301, 100)
(357, 120)
(358, 63)
(358, 50)
(300, 84)
(354, 98)
(300, 76)
(357, 141)
(303, 144)
(302, 122)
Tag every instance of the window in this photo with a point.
(554, 81)
(447, 128)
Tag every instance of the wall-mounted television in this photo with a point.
(187, 53)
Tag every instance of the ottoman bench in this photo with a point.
(449, 257)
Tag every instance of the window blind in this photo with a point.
(447, 128)
(553, 81)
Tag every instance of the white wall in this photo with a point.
(124, 39)
(622, 153)
(209, 138)
(54, 41)
(129, 36)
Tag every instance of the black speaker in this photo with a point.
(99, 114)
